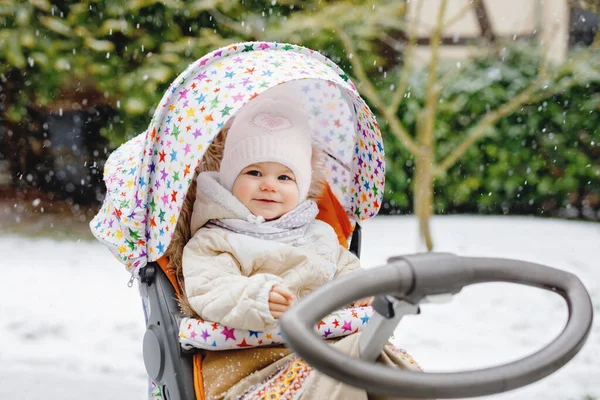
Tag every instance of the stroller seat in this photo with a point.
(175, 344)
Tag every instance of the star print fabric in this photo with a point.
(196, 333)
(147, 178)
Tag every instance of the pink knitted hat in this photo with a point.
(273, 127)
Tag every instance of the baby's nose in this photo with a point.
(268, 183)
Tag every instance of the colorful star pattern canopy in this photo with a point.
(147, 177)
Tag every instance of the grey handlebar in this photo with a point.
(417, 276)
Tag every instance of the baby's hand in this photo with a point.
(363, 302)
(280, 299)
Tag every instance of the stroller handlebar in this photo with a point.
(413, 278)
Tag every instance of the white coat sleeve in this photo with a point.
(217, 288)
(346, 263)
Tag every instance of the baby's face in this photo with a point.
(267, 189)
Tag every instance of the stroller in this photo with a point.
(149, 178)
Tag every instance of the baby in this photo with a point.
(256, 244)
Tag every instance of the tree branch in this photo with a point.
(567, 82)
(371, 93)
(432, 92)
(528, 96)
(235, 26)
(491, 118)
(405, 74)
(554, 90)
(449, 75)
(369, 88)
(460, 14)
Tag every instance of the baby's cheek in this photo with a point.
(243, 192)
(291, 197)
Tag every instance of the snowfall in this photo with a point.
(70, 328)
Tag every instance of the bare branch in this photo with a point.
(592, 49)
(351, 52)
(545, 62)
(408, 58)
(391, 41)
(368, 89)
(564, 86)
(235, 26)
(373, 19)
(566, 83)
(491, 118)
(460, 14)
(401, 133)
(472, 53)
(432, 94)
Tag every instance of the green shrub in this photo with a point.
(541, 160)
(125, 54)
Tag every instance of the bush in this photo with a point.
(542, 160)
(125, 54)
(76, 55)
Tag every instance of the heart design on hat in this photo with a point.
(271, 122)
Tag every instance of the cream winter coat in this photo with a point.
(228, 275)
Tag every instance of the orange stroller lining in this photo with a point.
(330, 211)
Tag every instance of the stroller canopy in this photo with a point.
(147, 178)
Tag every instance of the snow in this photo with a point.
(66, 312)
(71, 328)
(495, 323)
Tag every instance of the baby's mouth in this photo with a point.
(265, 201)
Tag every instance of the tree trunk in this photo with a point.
(423, 198)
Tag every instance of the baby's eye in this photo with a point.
(253, 172)
(285, 178)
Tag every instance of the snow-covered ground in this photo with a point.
(70, 327)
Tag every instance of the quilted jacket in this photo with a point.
(228, 276)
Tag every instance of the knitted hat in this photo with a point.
(273, 127)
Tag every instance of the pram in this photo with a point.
(149, 178)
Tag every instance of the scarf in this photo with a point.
(288, 227)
